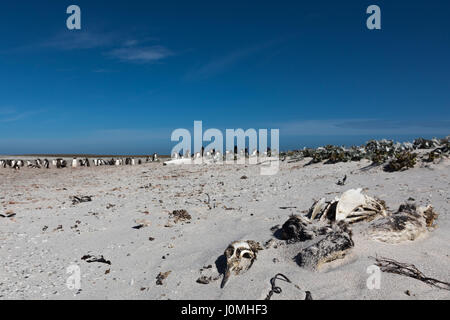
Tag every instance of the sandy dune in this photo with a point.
(128, 222)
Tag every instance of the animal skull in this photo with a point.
(240, 256)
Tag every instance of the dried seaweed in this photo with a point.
(161, 277)
(378, 151)
(402, 161)
(180, 215)
(409, 270)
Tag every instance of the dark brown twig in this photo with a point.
(409, 270)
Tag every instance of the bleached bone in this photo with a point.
(240, 256)
(351, 207)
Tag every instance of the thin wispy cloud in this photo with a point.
(12, 115)
(116, 45)
(141, 54)
(225, 62)
(80, 40)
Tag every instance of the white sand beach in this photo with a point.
(128, 222)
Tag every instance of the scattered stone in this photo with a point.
(203, 280)
(89, 259)
(81, 199)
(161, 277)
(180, 215)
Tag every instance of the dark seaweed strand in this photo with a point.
(409, 270)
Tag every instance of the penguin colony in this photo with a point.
(85, 162)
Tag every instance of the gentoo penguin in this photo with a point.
(46, 164)
(229, 155)
(218, 156)
(74, 163)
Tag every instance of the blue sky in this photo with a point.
(140, 69)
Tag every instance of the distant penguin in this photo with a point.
(229, 155)
(74, 163)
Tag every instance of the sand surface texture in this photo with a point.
(130, 223)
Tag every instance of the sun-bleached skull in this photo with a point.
(240, 256)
